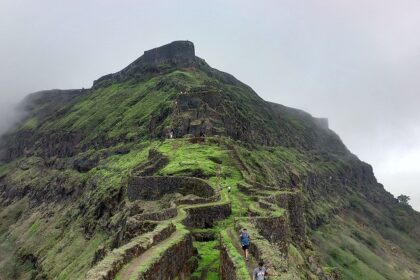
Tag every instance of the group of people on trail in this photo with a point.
(259, 273)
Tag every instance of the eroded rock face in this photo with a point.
(174, 51)
(275, 230)
(154, 61)
(294, 203)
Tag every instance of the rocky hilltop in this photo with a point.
(129, 180)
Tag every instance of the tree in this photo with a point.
(403, 199)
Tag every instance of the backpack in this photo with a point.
(245, 238)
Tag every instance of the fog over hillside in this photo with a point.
(9, 115)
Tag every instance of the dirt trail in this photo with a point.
(130, 270)
(251, 264)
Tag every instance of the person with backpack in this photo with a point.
(260, 273)
(245, 238)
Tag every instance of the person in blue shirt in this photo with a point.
(245, 238)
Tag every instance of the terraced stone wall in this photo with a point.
(108, 268)
(227, 267)
(204, 217)
(275, 230)
(177, 262)
(294, 203)
(154, 187)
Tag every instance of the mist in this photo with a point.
(10, 115)
(356, 62)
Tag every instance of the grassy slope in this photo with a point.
(361, 252)
(66, 253)
(119, 112)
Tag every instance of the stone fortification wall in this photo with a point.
(154, 187)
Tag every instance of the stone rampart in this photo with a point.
(206, 216)
(154, 187)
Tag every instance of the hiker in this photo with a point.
(260, 273)
(171, 134)
(245, 242)
(229, 188)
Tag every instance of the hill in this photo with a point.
(92, 186)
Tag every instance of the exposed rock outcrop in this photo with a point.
(154, 61)
(294, 203)
(275, 230)
(174, 51)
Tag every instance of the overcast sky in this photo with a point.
(356, 62)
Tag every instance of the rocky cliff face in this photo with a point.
(170, 53)
(91, 178)
(155, 61)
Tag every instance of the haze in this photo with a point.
(355, 62)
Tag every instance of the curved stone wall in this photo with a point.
(205, 216)
(154, 187)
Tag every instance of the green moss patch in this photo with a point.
(209, 260)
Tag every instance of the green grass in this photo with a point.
(122, 111)
(66, 253)
(112, 173)
(34, 227)
(351, 267)
(209, 259)
(187, 159)
(237, 259)
(31, 123)
(4, 168)
(295, 254)
(360, 253)
(119, 111)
